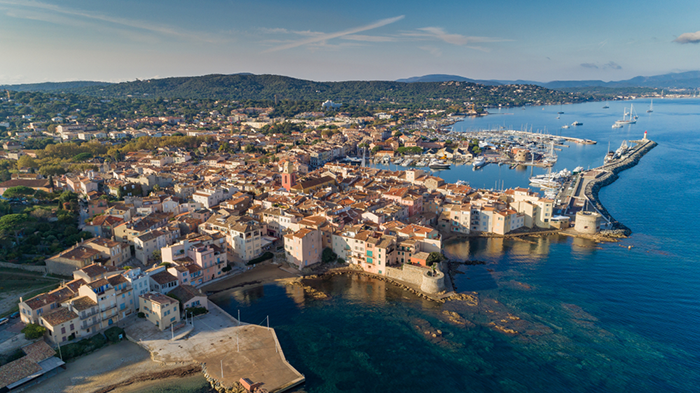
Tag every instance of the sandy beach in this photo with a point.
(107, 367)
(259, 275)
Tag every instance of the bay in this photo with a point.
(589, 318)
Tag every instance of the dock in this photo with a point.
(227, 350)
(579, 141)
(588, 184)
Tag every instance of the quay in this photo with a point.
(580, 141)
(226, 349)
(587, 185)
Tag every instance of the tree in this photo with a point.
(18, 192)
(434, 257)
(33, 331)
(328, 255)
(27, 162)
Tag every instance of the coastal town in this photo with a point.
(161, 222)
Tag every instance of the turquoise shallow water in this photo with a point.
(589, 318)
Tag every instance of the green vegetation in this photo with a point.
(196, 310)
(434, 257)
(328, 255)
(272, 87)
(18, 192)
(264, 257)
(113, 333)
(409, 150)
(33, 331)
(83, 347)
(35, 232)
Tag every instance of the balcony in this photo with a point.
(108, 308)
(88, 325)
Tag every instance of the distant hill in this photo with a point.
(446, 78)
(52, 86)
(682, 80)
(271, 87)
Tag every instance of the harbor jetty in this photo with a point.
(607, 174)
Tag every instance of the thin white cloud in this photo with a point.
(368, 38)
(688, 38)
(317, 38)
(451, 38)
(132, 23)
(58, 19)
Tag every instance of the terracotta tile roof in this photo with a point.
(59, 316)
(39, 351)
(83, 303)
(163, 278)
(186, 293)
(17, 370)
(158, 298)
(94, 270)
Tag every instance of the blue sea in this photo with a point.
(551, 314)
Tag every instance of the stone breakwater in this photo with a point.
(611, 174)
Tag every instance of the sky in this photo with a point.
(124, 40)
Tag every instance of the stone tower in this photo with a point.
(289, 178)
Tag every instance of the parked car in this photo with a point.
(4, 320)
(14, 315)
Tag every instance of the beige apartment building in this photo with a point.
(159, 309)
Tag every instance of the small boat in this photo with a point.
(651, 106)
(565, 126)
(606, 106)
(479, 162)
(617, 125)
(577, 123)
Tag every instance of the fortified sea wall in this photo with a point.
(611, 174)
(420, 276)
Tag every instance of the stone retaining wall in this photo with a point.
(29, 268)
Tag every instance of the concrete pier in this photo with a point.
(226, 351)
(607, 174)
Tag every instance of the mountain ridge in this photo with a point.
(681, 80)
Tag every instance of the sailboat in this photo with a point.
(632, 119)
(606, 106)
(651, 106)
